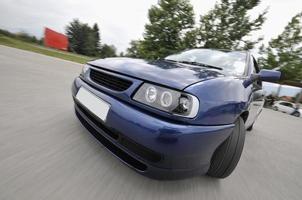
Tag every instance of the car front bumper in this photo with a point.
(153, 146)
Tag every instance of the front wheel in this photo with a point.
(250, 128)
(296, 114)
(227, 155)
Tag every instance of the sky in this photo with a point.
(120, 21)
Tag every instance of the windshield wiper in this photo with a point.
(195, 63)
(170, 60)
(200, 64)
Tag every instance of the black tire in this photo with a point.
(227, 155)
(250, 127)
(275, 108)
(296, 114)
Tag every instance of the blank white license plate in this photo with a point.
(93, 103)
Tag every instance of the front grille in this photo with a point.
(109, 81)
(140, 150)
(124, 141)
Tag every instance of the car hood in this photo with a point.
(167, 73)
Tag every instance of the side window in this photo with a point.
(286, 104)
(289, 105)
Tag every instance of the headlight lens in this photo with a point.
(151, 94)
(84, 70)
(185, 103)
(166, 99)
(174, 102)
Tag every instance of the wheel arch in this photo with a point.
(244, 115)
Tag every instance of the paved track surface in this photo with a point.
(46, 154)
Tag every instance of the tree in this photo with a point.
(27, 37)
(76, 36)
(228, 25)
(96, 39)
(285, 51)
(134, 49)
(83, 39)
(108, 51)
(122, 54)
(170, 20)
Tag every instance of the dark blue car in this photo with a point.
(175, 117)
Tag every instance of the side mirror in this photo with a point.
(263, 75)
(269, 75)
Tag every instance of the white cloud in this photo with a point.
(120, 20)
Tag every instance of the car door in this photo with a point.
(282, 106)
(257, 96)
(289, 108)
(286, 107)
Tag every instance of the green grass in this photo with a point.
(13, 42)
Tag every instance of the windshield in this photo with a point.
(232, 63)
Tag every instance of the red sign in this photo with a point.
(55, 40)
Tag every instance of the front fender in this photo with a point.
(222, 100)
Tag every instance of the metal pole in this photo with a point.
(278, 91)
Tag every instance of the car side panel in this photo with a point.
(256, 99)
(255, 107)
(285, 109)
(289, 110)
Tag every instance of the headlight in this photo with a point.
(151, 94)
(166, 99)
(174, 102)
(84, 70)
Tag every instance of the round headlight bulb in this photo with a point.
(185, 103)
(151, 94)
(166, 99)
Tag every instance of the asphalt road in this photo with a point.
(46, 154)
